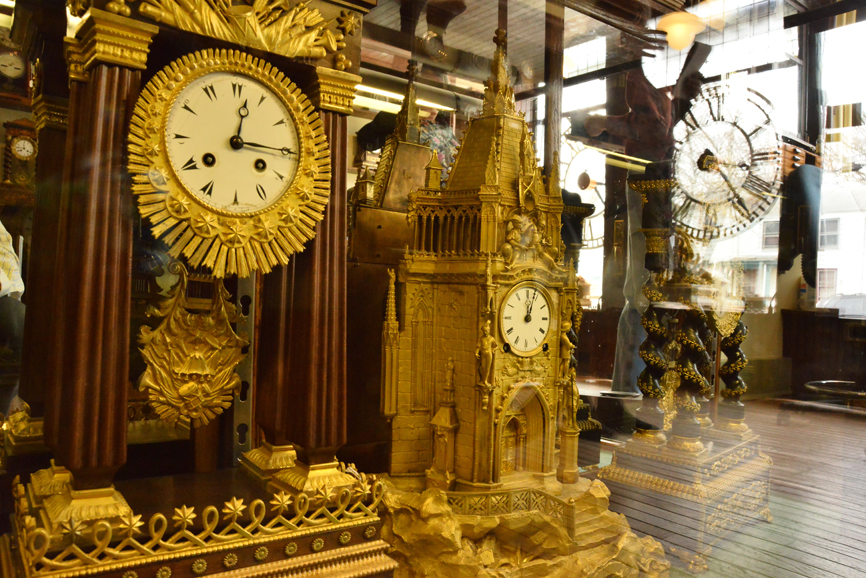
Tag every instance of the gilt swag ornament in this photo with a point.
(191, 357)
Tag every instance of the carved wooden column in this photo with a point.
(44, 41)
(86, 393)
(301, 393)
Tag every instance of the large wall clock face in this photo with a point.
(230, 162)
(581, 168)
(524, 319)
(726, 163)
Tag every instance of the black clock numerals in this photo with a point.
(510, 330)
(756, 185)
(541, 330)
(281, 177)
(261, 192)
(237, 89)
(764, 156)
(761, 127)
(261, 100)
(208, 189)
(180, 137)
(188, 109)
(279, 122)
(691, 121)
(190, 165)
(210, 92)
(235, 202)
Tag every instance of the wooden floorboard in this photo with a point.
(817, 499)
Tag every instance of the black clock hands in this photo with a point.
(243, 111)
(238, 143)
(285, 150)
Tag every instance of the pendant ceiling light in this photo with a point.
(681, 28)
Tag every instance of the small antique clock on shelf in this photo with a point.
(726, 164)
(19, 160)
(230, 162)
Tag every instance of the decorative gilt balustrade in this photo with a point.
(120, 540)
(510, 502)
(446, 230)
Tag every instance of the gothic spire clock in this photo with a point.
(230, 162)
(726, 163)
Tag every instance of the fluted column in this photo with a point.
(87, 391)
(301, 385)
(51, 115)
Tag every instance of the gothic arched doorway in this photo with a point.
(524, 435)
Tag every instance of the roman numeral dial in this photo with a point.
(207, 128)
(726, 163)
(525, 319)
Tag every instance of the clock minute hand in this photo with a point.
(285, 150)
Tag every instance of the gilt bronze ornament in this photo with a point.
(191, 357)
(232, 201)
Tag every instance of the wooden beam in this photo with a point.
(581, 78)
(824, 12)
(554, 30)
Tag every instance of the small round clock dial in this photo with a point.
(23, 148)
(726, 163)
(232, 143)
(525, 319)
(11, 65)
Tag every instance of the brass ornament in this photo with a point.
(79, 549)
(199, 566)
(291, 549)
(296, 32)
(227, 243)
(191, 357)
(261, 554)
(317, 545)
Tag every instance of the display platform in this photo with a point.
(706, 495)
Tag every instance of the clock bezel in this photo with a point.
(226, 242)
(15, 153)
(545, 293)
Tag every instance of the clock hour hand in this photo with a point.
(243, 111)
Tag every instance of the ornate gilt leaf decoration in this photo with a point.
(296, 32)
(226, 243)
(191, 357)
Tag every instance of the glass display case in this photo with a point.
(403, 288)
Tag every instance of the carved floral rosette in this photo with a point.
(226, 243)
(191, 357)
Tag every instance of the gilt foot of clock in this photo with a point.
(568, 471)
(263, 462)
(326, 478)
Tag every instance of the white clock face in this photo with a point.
(525, 319)
(232, 143)
(726, 163)
(23, 148)
(11, 65)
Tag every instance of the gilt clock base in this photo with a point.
(712, 493)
